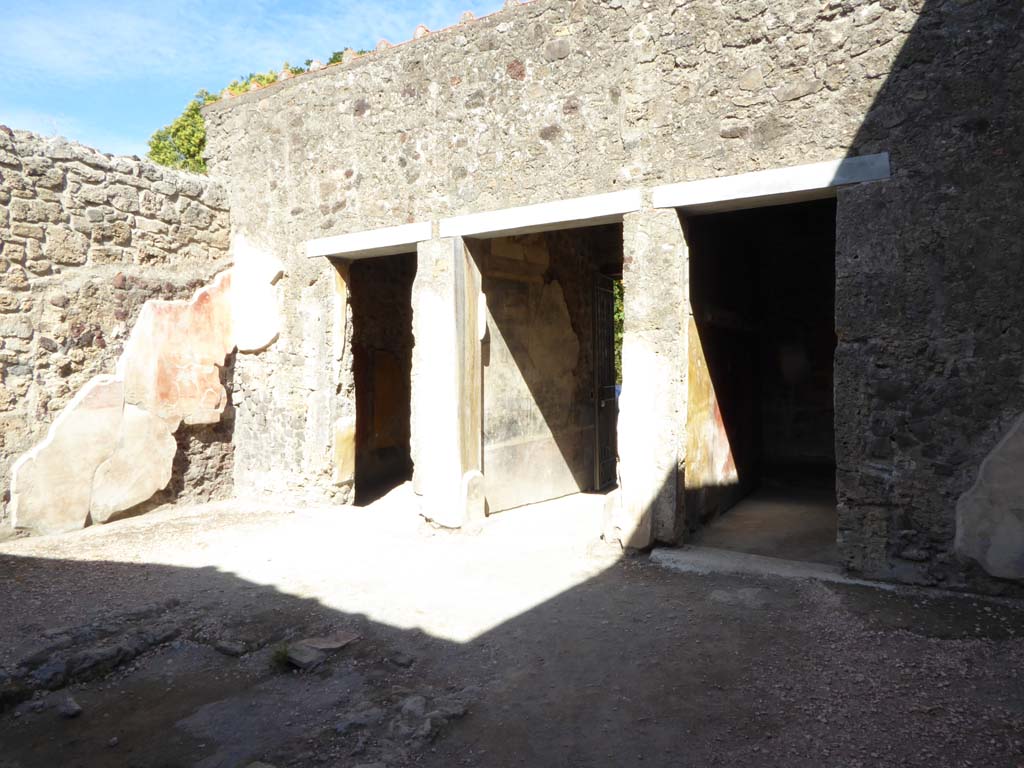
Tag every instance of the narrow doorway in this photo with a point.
(382, 341)
(608, 310)
(760, 461)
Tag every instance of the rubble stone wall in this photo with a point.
(85, 240)
(562, 98)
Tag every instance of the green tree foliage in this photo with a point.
(260, 79)
(181, 144)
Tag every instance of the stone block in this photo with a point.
(65, 246)
(9, 303)
(24, 229)
(557, 49)
(107, 254)
(15, 326)
(15, 279)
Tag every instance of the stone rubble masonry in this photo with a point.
(86, 240)
(563, 98)
(112, 448)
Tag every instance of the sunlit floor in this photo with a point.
(523, 641)
(381, 561)
(784, 520)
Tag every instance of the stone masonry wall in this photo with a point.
(561, 98)
(85, 240)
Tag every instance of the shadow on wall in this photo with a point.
(928, 303)
(761, 352)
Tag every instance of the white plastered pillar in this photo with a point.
(652, 407)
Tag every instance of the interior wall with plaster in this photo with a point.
(538, 361)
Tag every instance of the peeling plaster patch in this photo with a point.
(171, 363)
(990, 515)
(344, 450)
(51, 485)
(256, 321)
(113, 447)
(139, 466)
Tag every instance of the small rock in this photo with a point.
(916, 554)
(430, 728)
(358, 720)
(304, 656)
(114, 741)
(557, 49)
(403, 660)
(68, 708)
(734, 131)
(333, 642)
(231, 647)
(360, 745)
(52, 674)
(414, 706)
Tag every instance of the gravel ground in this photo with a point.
(524, 643)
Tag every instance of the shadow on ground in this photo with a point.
(631, 666)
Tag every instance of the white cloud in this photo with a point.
(70, 56)
(46, 124)
(82, 42)
(43, 123)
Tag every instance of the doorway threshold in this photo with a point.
(708, 560)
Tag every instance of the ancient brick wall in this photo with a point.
(85, 240)
(557, 99)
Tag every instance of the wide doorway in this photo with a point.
(549, 363)
(760, 452)
(381, 299)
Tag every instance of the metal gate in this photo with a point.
(605, 395)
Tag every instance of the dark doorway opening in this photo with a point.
(608, 310)
(381, 300)
(760, 473)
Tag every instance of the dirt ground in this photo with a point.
(526, 643)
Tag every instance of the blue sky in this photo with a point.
(108, 73)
